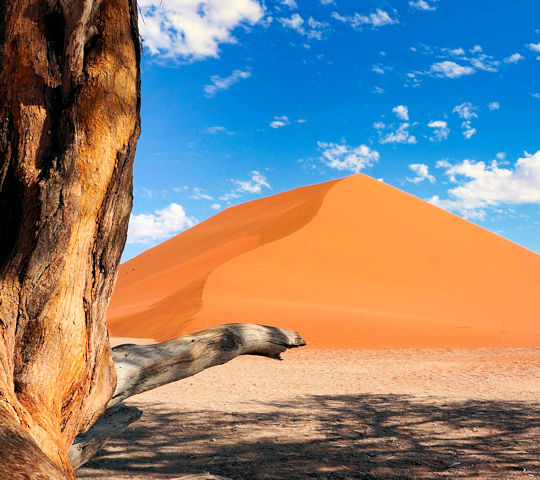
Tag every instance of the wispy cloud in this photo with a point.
(379, 18)
(401, 112)
(146, 228)
(535, 47)
(200, 194)
(254, 184)
(421, 173)
(456, 62)
(215, 129)
(279, 122)
(466, 111)
(514, 58)
(289, 3)
(450, 69)
(400, 135)
(312, 29)
(345, 157)
(483, 186)
(494, 106)
(423, 5)
(192, 30)
(440, 129)
(224, 83)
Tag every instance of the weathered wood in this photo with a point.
(69, 123)
(143, 367)
(114, 421)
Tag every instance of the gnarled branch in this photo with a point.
(143, 367)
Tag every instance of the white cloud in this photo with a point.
(346, 157)
(458, 52)
(198, 194)
(255, 184)
(476, 49)
(215, 129)
(494, 106)
(279, 122)
(535, 47)
(151, 227)
(401, 112)
(450, 69)
(483, 186)
(312, 29)
(289, 3)
(327, 2)
(484, 62)
(466, 111)
(401, 135)
(514, 58)
(378, 90)
(193, 29)
(215, 206)
(224, 83)
(295, 22)
(422, 173)
(378, 19)
(468, 131)
(440, 129)
(421, 5)
(535, 95)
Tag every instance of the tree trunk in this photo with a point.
(69, 123)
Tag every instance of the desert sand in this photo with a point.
(322, 414)
(351, 263)
(398, 301)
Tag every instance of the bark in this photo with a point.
(114, 421)
(144, 367)
(69, 123)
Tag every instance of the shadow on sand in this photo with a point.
(332, 437)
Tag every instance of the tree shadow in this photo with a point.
(332, 437)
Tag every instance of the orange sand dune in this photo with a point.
(352, 263)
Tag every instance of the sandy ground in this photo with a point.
(408, 414)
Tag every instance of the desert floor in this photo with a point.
(377, 414)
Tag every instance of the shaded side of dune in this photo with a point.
(353, 263)
(158, 292)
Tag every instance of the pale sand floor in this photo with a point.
(453, 414)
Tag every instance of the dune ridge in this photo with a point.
(352, 263)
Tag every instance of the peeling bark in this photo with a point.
(69, 123)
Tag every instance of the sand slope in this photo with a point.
(352, 263)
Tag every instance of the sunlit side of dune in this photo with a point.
(352, 263)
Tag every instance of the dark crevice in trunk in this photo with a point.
(11, 196)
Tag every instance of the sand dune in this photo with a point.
(352, 263)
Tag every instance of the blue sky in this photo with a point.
(243, 99)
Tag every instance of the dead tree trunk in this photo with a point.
(69, 123)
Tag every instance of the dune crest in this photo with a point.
(352, 263)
